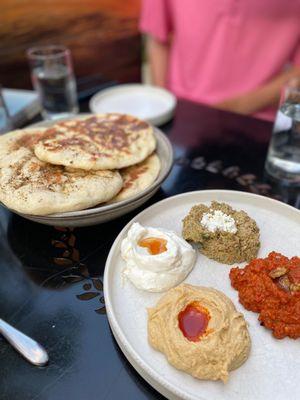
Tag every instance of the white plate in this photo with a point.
(153, 104)
(272, 371)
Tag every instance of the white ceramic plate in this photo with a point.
(272, 371)
(153, 104)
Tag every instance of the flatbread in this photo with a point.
(138, 177)
(15, 140)
(104, 141)
(31, 186)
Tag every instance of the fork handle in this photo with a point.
(31, 350)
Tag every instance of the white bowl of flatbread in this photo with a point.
(82, 171)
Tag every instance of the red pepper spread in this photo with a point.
(271, 287)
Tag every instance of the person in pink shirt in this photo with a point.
(232, 54)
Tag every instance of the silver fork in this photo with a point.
(29, 348)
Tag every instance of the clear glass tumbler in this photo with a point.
(53, 79)
(283, 159)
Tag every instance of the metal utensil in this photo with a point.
(29, 348)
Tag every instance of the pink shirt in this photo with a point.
(224, 48)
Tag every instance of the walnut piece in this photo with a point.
(295, 287)
(284, 283)
(278, 272)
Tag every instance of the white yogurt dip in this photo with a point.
(159, 272)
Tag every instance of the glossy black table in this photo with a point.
(51, 278)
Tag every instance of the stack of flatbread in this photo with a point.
(77, 164)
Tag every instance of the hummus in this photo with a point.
(223, 346)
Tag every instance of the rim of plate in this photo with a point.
(135, 358)
(132, 86)
(104, 209)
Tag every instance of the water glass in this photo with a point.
(5, 121)
(53, 78)
(283, 159)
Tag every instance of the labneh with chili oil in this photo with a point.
(156, 259)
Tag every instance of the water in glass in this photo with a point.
(53, 79)
(57, 91)
(283, 160)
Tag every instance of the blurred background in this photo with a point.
(98, 33)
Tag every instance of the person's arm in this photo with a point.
(158, 56)
(262, 97)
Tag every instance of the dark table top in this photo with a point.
(51, 279)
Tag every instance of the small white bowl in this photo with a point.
(150, 103)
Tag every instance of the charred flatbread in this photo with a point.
(106, 141)
(138, 177)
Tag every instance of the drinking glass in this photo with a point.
(283, 159)
(53, 79)
(5, 121)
